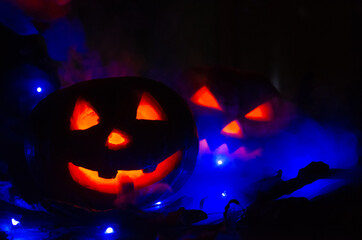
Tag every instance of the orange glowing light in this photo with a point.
(263, 112)
(116, 140)
(233, 129)
(84, 116)
(90, 179)
(204, 97)
(150, 109)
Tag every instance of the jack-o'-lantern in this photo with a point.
(234, 111)
(100, 139)
(237, 114)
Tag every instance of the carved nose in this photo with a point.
(233, 129)
(117, 140)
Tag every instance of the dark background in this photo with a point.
(310, 50)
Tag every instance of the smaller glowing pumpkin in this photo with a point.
(235, 111)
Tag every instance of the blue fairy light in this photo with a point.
(109, 230)
(14, 222)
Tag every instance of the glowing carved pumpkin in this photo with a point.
(235, 111)
(104, 138)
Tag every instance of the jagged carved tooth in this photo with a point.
(107, 174)
(222, 149)
(204, 147)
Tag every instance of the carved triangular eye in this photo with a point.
(204, 97)
(84, 116)
(150, 109)
(263, 112)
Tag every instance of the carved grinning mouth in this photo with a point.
(124, 178)
(241, 153)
